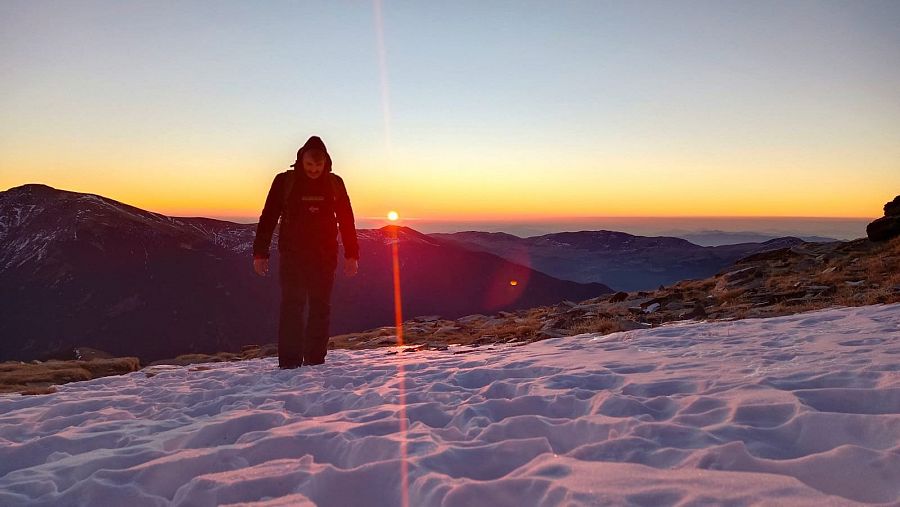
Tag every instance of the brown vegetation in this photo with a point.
(601, 325)
(805, 277)
(38, 377)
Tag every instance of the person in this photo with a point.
(311, 202)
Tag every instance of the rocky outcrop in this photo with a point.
(888, 226)
(778, 282)
(39, 377)
(892, 209)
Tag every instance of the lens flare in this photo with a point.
(514, 282)
(401, 371)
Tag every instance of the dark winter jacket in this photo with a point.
(310, 215)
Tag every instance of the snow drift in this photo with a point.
(803, 409)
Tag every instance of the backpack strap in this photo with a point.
(288, 186)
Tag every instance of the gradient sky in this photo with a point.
(460, 110)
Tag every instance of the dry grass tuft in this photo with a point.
(602, 325)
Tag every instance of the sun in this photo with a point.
(393, 216)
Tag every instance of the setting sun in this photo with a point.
(393, 216)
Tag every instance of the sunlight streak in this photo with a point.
(401, 372)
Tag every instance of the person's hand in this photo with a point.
(351, 266)
(261, 266)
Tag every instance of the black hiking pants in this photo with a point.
(304, 281)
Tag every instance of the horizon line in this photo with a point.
(574, 217)
(231, 217)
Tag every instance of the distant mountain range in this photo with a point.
(79, 269)
(719, 238)
(620, 260)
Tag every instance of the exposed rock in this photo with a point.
(553, 333)
(892, 209)
(618, 297)
(468, 319)
(654, 301)
(673, 306)
(554, 323)
(630, 325)
(740, 275)
(112, 366)
(386, 340)
(592, 307)
(564, 306)
(884, 228)
(699, 312)
(38, 378)
(888, 226)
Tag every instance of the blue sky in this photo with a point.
(472, 110)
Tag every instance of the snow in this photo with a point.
(799, 410)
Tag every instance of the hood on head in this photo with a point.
(311, 143)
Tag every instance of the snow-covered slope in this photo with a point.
(798, 410)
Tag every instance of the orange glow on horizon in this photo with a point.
(234, 194)
(248, 203)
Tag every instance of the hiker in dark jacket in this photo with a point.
(311, 202)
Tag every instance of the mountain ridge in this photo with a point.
(621, 260)
(80, 269)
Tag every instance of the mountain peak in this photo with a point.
(33, 188)
(405, 233)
